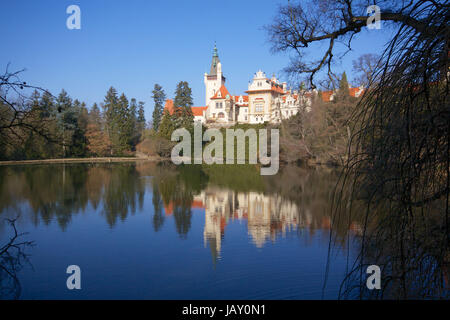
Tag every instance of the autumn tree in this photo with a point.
(99, 143)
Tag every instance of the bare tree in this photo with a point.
(17, 115)
(300, 24)
(12, 258)
(365, 67)
(398, 156)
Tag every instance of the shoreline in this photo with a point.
(81, 160)
(128, 159)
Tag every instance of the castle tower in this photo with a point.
(215, 79)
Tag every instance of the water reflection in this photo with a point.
(271, 206)
(295, 202)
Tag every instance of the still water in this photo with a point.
(155, 231)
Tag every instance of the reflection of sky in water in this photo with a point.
(232, 244)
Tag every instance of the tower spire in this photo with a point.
(215, 54)
(215, 61)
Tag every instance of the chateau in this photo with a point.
(266, 100)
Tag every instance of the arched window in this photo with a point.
(220, 115)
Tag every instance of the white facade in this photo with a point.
(267, 100)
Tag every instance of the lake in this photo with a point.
(150, 230)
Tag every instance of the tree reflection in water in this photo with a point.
(295, 200)
(12, 258)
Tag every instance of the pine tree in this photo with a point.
(133, 124)
(159, 98)
(343, 86)
(94, 114)
(79, 140)
(167, 125)
(125, 122)
(182, 104)
(50, 114)
(112, 118)
(67, 120)
(141, 119)
(47, 105)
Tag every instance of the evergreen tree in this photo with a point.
(182, 104)
(159, 98)
(343, 85)
(125, 126)
(141, 119)
(94, 114)
(167, 125)
(47, 105)
(50, 114)
(79, 141)
(112, 118)
(67, 120)
(134, 133)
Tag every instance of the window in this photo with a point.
(214, 115)
(245, 118)
(220, 115)
(259, 108)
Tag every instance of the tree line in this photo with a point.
(158, 140)
(44, 126)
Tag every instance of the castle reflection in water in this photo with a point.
(270, 207)
(267, 216)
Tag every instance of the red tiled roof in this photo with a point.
(354, 91)
(244, 99)
(277, 88)
(169, 107)
(326, 96)
(198, 111)
(223, 93)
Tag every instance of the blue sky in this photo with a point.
(134, 44)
